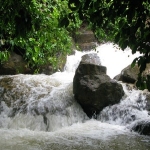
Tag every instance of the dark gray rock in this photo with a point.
(93, 89)
(142, 127)
(91, 58)
(128, 74)
(148, 102)
(118, 77)
(87, 46)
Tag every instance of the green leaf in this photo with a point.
(134, 62)
(33, 58)
(36, 49)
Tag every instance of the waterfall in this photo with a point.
(131, 108)
(40, 112)
(39, 102)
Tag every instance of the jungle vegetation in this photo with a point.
(124, 22)
(31, 28)
(40, 29)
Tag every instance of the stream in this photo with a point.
(39, 112)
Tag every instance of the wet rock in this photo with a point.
(142, 127)
(148, 101)
(48, 69)
(93, 89)
(84, 38)
(128, 74)
(91, 58)
(17, 65)
(87, 46)
(14, 65)
(6, 85)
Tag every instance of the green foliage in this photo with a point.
(125, 22)
(33, 26)
(4, 55)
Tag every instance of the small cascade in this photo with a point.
(132, 107)
(110, 56)
(40, 112)
(38, 102)
(41, 102)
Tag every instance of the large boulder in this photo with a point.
(130, 74)
(92, 88)
(91, 58)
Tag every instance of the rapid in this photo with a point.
(39, 112)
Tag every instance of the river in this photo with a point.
(43, 114)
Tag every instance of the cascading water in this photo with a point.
(39, 112)
(130, 108)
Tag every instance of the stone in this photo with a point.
(14, 65)
(91, 58)
(142, 127)
(84, 38)
(49, 69)
(17, 65)
(130, 75)
(93, 89)
(87, 46)
(148, 101)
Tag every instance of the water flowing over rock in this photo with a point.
(40, 101)
(131, 108)
(148, 101)
(142, 127)
(92, 88)
(40, 111)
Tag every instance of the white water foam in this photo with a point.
(81, 136)
(40, 102)
(110, 56)
(131, 108)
